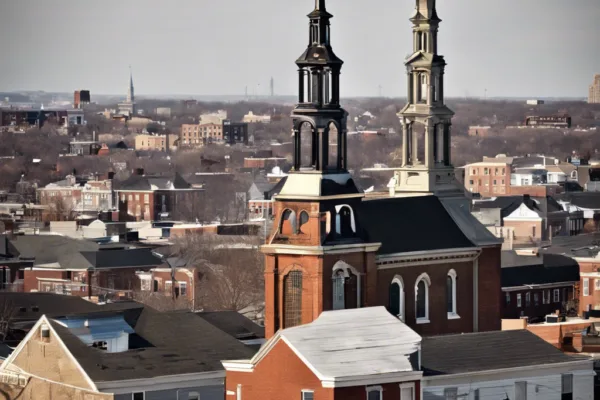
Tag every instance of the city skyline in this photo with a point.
(189, 53)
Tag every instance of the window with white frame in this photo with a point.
(451, 294)
(183, 288)
(596, 284)
(396, 298)
(145, 283)
(193, 396)
(138, 396)
(586, 286)
(451, 394)
(520, 390)
(346, 286)
(507, 298)
(308, 395)
(168, 287)
(544, 297)
(407, 391)
(476, 394)
(422, 298)
(536, 299)
(519, 300)
(527, 299)
(557, 295)
(374, 393)
(567, 387)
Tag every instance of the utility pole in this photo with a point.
(485, 94)
(380, 91)
(272, 87)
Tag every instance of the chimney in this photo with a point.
(111, 175)
(139, 171)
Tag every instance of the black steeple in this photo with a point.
(319, 96)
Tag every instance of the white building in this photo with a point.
(252, 118)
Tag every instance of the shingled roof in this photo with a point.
(170, 343)
(408, 224)
(473, 352)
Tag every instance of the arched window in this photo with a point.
(423, 91)
(339, 302)
(345, 225)
(574, 175)
(422, 298)
(345, 287)
(303, 221)
(451, 294)
(396, 298)
(292, 299)
(288, 223)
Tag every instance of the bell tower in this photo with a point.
(316, 258)
(426, 121)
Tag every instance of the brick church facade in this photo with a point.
(417, 250)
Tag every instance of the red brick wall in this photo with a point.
(30, 281)
(593, 299)
(129, 207)
(390, 391)
(279, 376)
(484, 184)
(490, 289)
(438, 316)
(525, 229)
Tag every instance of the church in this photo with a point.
(416, 250)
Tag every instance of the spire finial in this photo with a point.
(320, 5)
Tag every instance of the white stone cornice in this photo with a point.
(427, 257)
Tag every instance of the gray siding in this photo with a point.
(206, 393)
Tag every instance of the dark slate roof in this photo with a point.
(408, 224)
(31, 306)
(144, 182)
(234, 324)
(587, 245)
(508, 204)
(169, 343)
(49, 248)
(531, 270)
(474, 352)
(121, 258)
(589, 200)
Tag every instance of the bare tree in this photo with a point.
(7, 313)
(230, 270)
(60, 209)
(162, 301)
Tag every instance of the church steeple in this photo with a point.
(426, 168)
(318, 108)
(130, 91)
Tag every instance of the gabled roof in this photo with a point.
(351, 344)
(477, 352)
(408, 224)
(587, 200)
(233, 323)
(169, 343)
(147, 183)
(531, 270)
(47, 249)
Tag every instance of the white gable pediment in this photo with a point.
(524, 213)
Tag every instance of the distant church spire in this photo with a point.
(130, 91)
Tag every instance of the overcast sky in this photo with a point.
(523, 48)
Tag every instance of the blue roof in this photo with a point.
(97, 329)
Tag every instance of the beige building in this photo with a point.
(147, 142)
(214, 117)
(201, 134)
(594, 95)
(251, 118)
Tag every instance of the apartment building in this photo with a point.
(149, 142)
(197, 135)
(488, 178)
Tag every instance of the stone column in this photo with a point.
(323, 151)
(405, 144)
(409, 87)
(441, 88)
(436, 154)
(416, 87)
(414, 151)
(429, 132)
(297, 149)
(430, 89)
